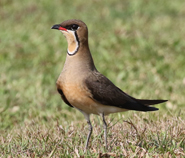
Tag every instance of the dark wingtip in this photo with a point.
(151, 102)
(161, 101)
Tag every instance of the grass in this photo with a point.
(137, 44)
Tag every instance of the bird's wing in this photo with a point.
(105, 92)
(150, 102)
(63, 97)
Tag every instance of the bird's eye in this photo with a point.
(74, 27)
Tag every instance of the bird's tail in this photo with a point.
(149, 108)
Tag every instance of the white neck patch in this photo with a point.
(73, 43)
(75, 49)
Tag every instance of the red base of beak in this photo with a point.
(58, 27)
(62, 28)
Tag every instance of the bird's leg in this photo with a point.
(90, 129)
(105, 130)
(89, 134)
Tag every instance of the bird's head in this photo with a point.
(76, 33)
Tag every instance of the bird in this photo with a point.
(84, 88)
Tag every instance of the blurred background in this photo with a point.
(138, 44)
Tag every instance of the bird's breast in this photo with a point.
(79, 97)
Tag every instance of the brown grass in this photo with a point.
(137, 136)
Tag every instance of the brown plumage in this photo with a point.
(83, 87)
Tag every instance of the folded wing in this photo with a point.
(105, 92)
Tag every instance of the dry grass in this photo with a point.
(138, 136)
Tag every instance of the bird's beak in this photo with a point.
(58, 27)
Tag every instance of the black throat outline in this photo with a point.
(78, 45)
